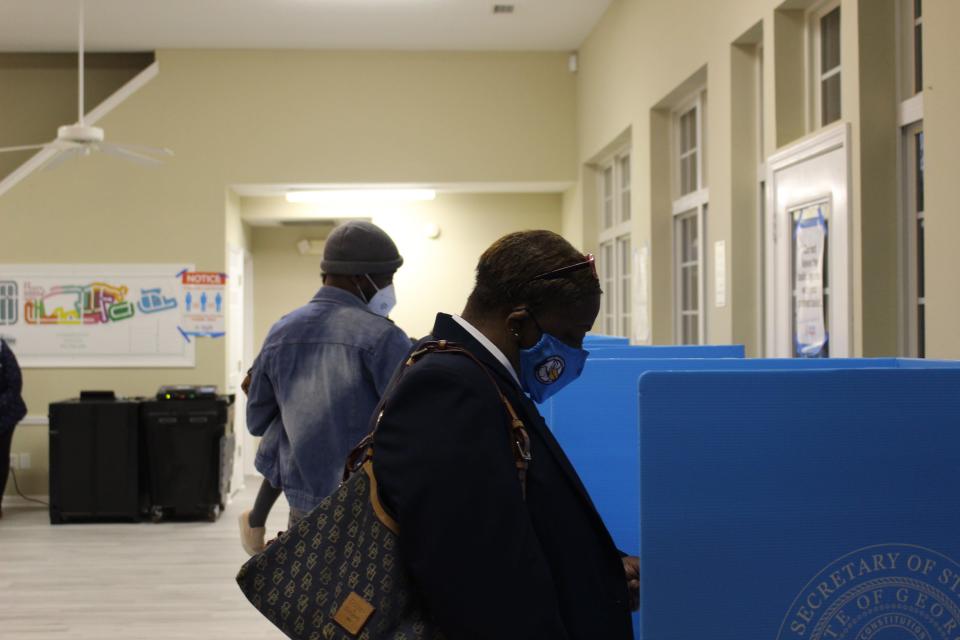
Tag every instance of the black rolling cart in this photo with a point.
(96, 460)
(189, 444)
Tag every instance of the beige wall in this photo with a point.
(282, 278)
(942, 141)
(323, 117)
(39, 94)
(437, 274)
(879, 185)
(642, 51)
(276, 117)
(632, 65)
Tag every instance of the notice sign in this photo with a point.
(810, 238)
(203, 302)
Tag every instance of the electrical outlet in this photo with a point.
(24, 460)
(14, 461)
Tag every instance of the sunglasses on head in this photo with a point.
(588, 263)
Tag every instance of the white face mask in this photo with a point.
(383, 301)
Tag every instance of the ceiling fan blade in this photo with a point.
(120, 152)
(139, 148)
(26, 147)
(60, 158)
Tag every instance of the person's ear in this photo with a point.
(515, 322)
(360, 284)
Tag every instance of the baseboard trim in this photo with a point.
(18, 501)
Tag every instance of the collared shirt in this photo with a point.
(488, 345)
(314, 386)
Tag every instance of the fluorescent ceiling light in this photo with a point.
(361, 196)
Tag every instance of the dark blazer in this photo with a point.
(12, 408)
(488, 564)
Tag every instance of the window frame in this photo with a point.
(617, 272)
(695, 202)
(908, 21)
(698, 213)
(815, 76)
(761, 194)
(696, 100)
(909, 124)
(912, 284)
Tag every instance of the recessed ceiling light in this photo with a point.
(503, 8)
(361, 196)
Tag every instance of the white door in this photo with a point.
(239, 347)
(808, 236)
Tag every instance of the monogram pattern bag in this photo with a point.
(337, 574)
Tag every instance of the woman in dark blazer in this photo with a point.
(490, 559)
(12, 409)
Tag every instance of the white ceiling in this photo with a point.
(141, 25)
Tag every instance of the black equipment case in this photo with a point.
(95, 460)
(190, 455)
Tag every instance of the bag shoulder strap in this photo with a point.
(363, 452)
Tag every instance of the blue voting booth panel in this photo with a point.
(598, 340)
(595, 420)
(668, 351)
(801, 505)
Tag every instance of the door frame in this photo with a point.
(244, 444)
(778, 254)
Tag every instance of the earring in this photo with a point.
(516, 334)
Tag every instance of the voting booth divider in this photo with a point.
(611, 429)
(597, 340)
(666, 351)
(801, 504)
(595, 420)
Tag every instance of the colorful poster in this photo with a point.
(810, 237)
(120, 315)
(204, 302)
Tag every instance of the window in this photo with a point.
(825, 59)
(615, 256)
(917, 46)
(761, 192)
(623, 285)
(912, 290)
(689, 222)
(624, 164)
(913, 242)
(689, 261)
(918, 225)
(689, 152)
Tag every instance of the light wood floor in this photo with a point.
(127, 581)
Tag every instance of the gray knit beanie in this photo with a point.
(357, 247)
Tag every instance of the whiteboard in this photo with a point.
(84, 315)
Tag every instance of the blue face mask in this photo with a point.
(549, 366)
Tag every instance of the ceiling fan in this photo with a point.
(81, 139)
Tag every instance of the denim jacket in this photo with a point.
(314, 386)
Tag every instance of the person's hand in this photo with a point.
(631, 568)
(245, 385)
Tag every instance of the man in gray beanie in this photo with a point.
(322, 370)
